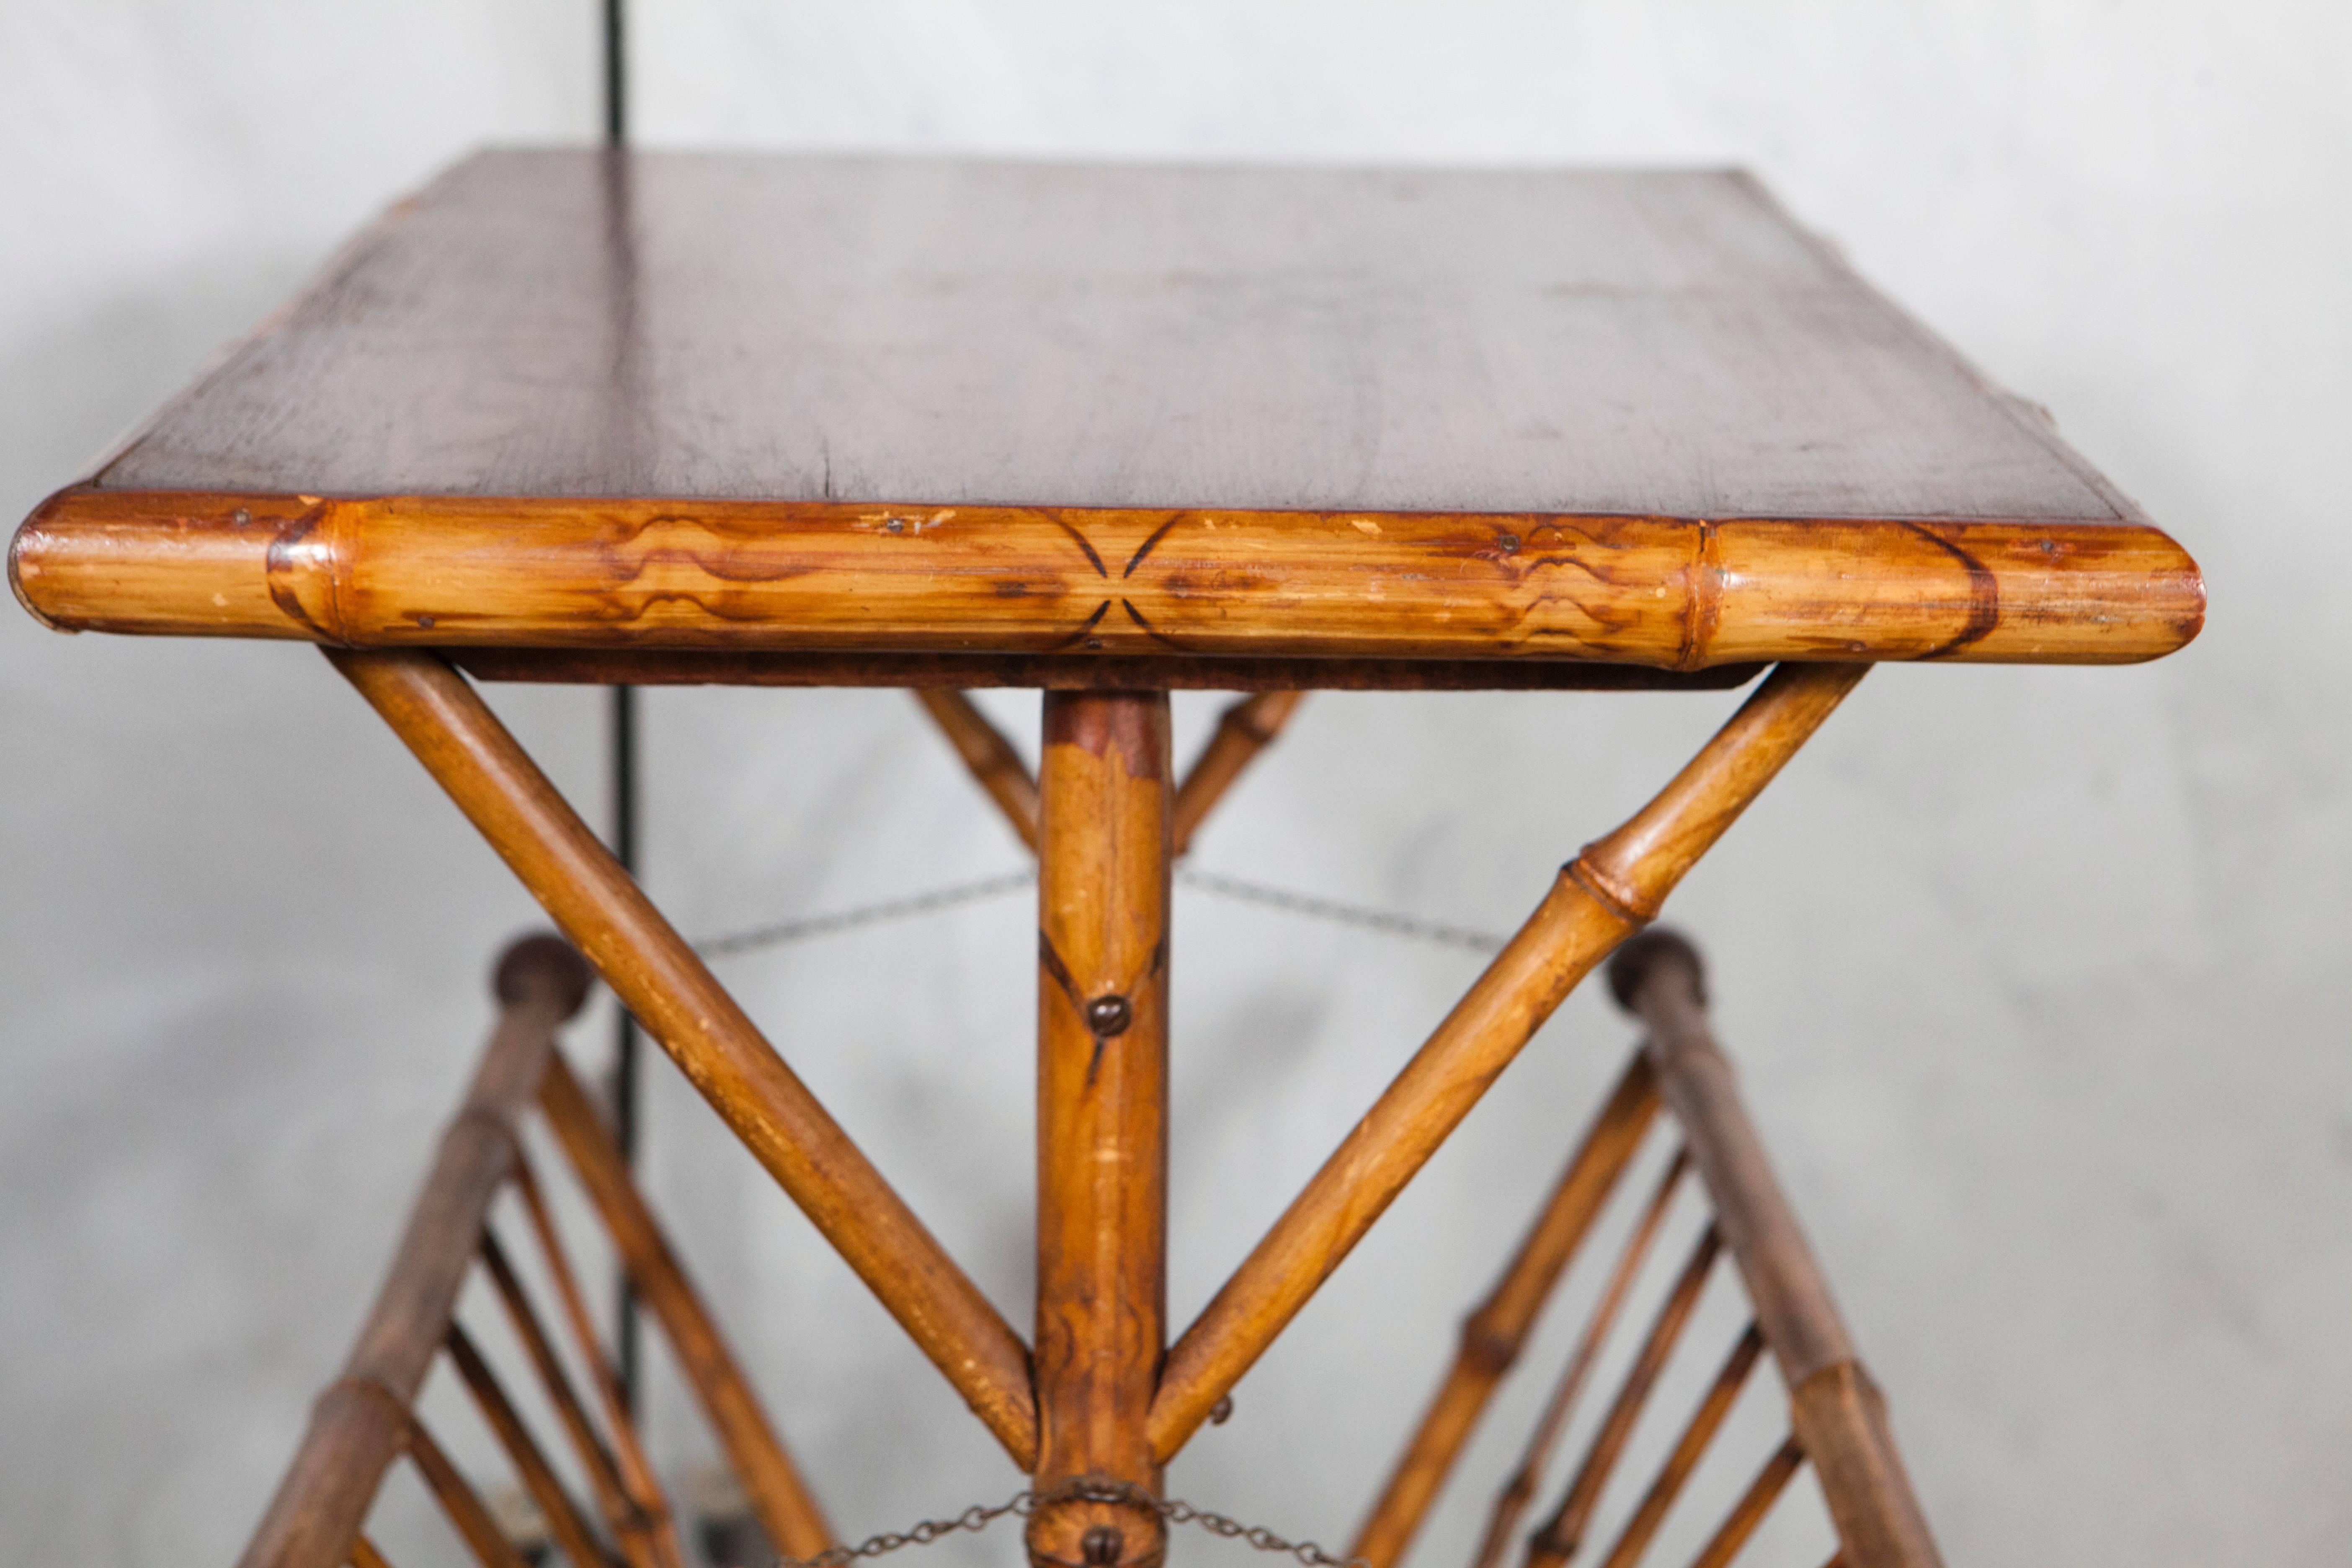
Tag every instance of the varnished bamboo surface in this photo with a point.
(1837, 1412)
(994, 764)
(1557, 1539)
(818, 576)
(360, 1425)
(1605, 894)
(652, 1521)
(771, 1481)
(567, 1525)
(1243, 730)
(1519, 1491)
(1103, 880)
(1494, 1333)
(650, 968)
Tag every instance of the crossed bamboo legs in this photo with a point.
(1099, 1401)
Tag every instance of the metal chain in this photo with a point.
(1387, 922)
(980, 1516)
(863, 915)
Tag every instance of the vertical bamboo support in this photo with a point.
(658, 978)
(1838, 1412)
(1609, 891)
(1243, 730)
(1102, 1117)
(1493, 1335)
(989, 755)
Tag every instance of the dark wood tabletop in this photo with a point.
(573, 398)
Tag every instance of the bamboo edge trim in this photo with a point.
(1669, 593)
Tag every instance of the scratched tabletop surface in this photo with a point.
(571, 323)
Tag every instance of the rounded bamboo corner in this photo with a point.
(28, 533)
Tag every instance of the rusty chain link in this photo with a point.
(1021, 1504)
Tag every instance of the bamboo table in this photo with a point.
(645, 419)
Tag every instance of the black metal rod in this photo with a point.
(616, 98)
(626, 1049)
(627, 1336)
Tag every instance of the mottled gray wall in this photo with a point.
(2036, 975)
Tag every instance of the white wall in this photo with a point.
(2037, 974)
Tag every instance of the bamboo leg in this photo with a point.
(1243, 731)
(1703, 1424)
(1753, 1505)
(666, 987)
(645, 1491)
(989, 755)
(1102, 1117)
(1493, 1335)
(1837, 1410)
(565, 1522)
(1519, 1490)
(787, 1511)
(1604, 895)
(366, 1555)
(630, 1527)
(1561, 1534)
(464, 1508)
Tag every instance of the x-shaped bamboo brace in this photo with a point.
(1610, 890)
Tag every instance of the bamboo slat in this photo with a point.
(1704, 1422)
(1612, 889)
(630, 1528)
(565, 1521)
(1244, 730)
(1494, 1334)
(1838, 1412)
(1563, 1532)
(1753, 1505)
(786, 1510)
(474, 1522)
(356, 1428)
(644, 1488)
(989, 755)
(1102, 1116)
(667, 989)
(1519, 1489)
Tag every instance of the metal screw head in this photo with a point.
(1222, 1411)
(1506, 543)
(1102, 1545)
(240, 517)
(1107, 1015)
(896, 525)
